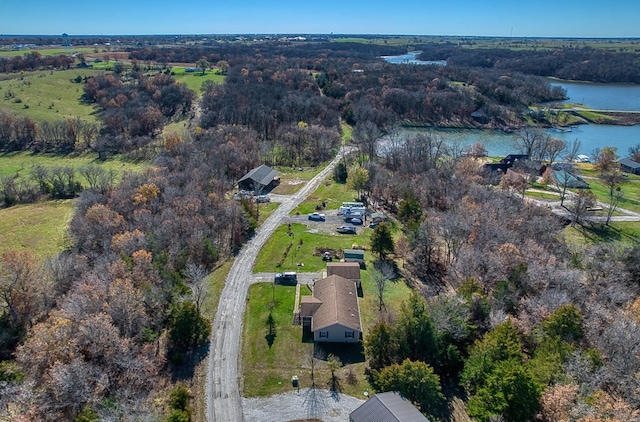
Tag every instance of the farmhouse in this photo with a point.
(348, 270)
(389, 407)
(262, 178)
(332, 313)
(630, 166)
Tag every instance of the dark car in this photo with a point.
(316, 216)
(356, 221)
(346, 230)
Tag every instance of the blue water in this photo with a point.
(410, 58)
(602, 96)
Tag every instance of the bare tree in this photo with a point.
(381, 274)
(579, 206)
(529, 141)
(572, 149)
(198, 277)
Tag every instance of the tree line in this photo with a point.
(583, 64)
(34, 61)
(526, 326)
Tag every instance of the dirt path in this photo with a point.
(222, 388)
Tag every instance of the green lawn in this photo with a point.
(194, 80)
(303, 244)
(623, 233)
(268, 369)
(21, 162)
(46, 95)
(39, 228)
(291, 180)
(331, 193)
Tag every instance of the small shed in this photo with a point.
(262, 178)
(354, 255)
(630, 166)
(390, 406)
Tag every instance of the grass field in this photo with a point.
(39, 228)
(303, 243)
(20, 163)
(47, 51)
(331, 193)
(292, 180)
(194, 80)
(46, 95)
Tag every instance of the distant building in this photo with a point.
(567, 179)
(262, 178)
(387, 407)
(628, 165)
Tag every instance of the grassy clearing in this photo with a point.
(303, 244)
(623, 233)
(292, 180)
(39, 228)
(331, 193)
(347, 132)
(268, 369)
(20, 163)
(46, 95)
(194, 80)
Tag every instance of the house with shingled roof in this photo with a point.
(259, 179)
(332, 313)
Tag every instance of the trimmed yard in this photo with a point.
(303, 244)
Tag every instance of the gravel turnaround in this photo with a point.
(223, 401)
(306, 404)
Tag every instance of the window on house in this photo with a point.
(349, 334)
(323, 334)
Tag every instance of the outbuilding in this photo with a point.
(629, 165)
(354, 255)
(390, 406)
(259, 179)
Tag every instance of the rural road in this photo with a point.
(223, 401)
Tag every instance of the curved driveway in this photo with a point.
(222, 388)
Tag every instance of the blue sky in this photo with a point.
(545, 18)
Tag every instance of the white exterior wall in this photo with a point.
(336, 334)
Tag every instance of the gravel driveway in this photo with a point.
(320, 404)
(223, 401)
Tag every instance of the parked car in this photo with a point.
(263, 198)
(316, 216)
(373, 225)
(346, 230)
(287, 278)
(356, 221)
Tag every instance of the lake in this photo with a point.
(602, 96)
(410, 58)
(594, 95)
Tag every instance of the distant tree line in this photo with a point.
(583, 64)
(34, 61)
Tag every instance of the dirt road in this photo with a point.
(222, 389)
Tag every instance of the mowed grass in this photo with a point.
(268, 369)
(40, 228)
(331, 193)
(303, 244)
(47, 95)
(194, 80)
(20, 163)
(625, 234)
(291, 180)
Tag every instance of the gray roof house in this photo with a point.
(262, 178)
(387, 407)
(348, 270)
(629, 165)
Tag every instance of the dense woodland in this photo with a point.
(506, 317)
